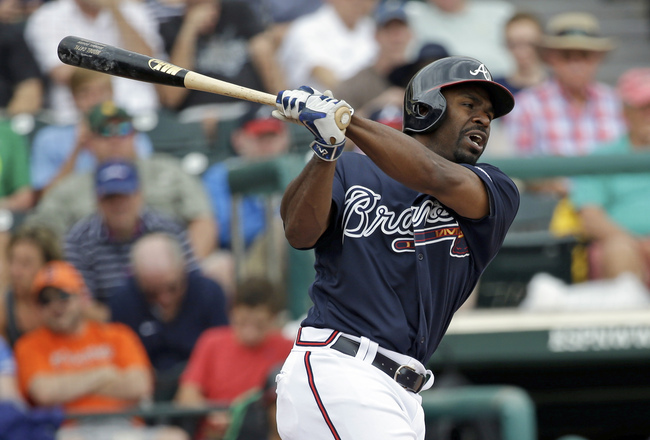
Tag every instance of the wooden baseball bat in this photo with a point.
(80, 52)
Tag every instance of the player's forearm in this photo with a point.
(403, 158)
(307, 203)
(416, 166)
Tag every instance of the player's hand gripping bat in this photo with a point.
(115, 61)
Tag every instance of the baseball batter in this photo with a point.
(401, 236)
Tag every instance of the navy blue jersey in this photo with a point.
(396, 264)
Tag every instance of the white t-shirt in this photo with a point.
(57, 19)
(477, 31)
(322, 39)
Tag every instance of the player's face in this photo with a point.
(463, 135)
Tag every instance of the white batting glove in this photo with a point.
(317, 112)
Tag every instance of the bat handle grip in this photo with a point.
(343, 117)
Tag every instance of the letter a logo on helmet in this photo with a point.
(425, 105)
(481, 69)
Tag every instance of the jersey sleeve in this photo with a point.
(485, 236)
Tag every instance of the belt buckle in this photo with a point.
(421, 378)
(397, 372)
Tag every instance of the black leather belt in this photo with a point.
(403, 375)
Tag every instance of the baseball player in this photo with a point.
(401, 236)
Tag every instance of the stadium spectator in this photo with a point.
(29, 248)
(223, 40)
(127, 24)
(323, 63)
(229, 362)
(165, 186)
(60, 149)
(370, 89)
(571, 113)
(258, 137)
(613, 208)
(82, 365)
(99, 244)
(21, 85)
(16, 193)
(464, 27)
(167, 306)
(523, 33)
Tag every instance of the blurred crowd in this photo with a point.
(118, 223)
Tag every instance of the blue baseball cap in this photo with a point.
(116, 177)
(390, 10)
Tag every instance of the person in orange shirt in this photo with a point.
(83, 365)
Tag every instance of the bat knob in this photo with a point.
(343, 117)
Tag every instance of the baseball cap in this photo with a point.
(116, 177)
(59, 275)
(388, 11)
(107, 119)
(634, 87)
(258, 120)
(577, 31)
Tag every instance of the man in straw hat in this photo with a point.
(571, 113)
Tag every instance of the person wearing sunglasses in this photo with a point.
(80, 364)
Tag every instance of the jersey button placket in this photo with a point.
(420, 256)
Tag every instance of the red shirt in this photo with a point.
(224, 369)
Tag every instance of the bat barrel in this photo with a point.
(92, 55)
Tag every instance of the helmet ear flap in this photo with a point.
(421, 110)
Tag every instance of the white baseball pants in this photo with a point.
(327, 395)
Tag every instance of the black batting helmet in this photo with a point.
(424, 104)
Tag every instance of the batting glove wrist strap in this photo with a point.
(326, 151)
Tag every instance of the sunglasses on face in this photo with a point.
(124, 128)
(52, 295)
